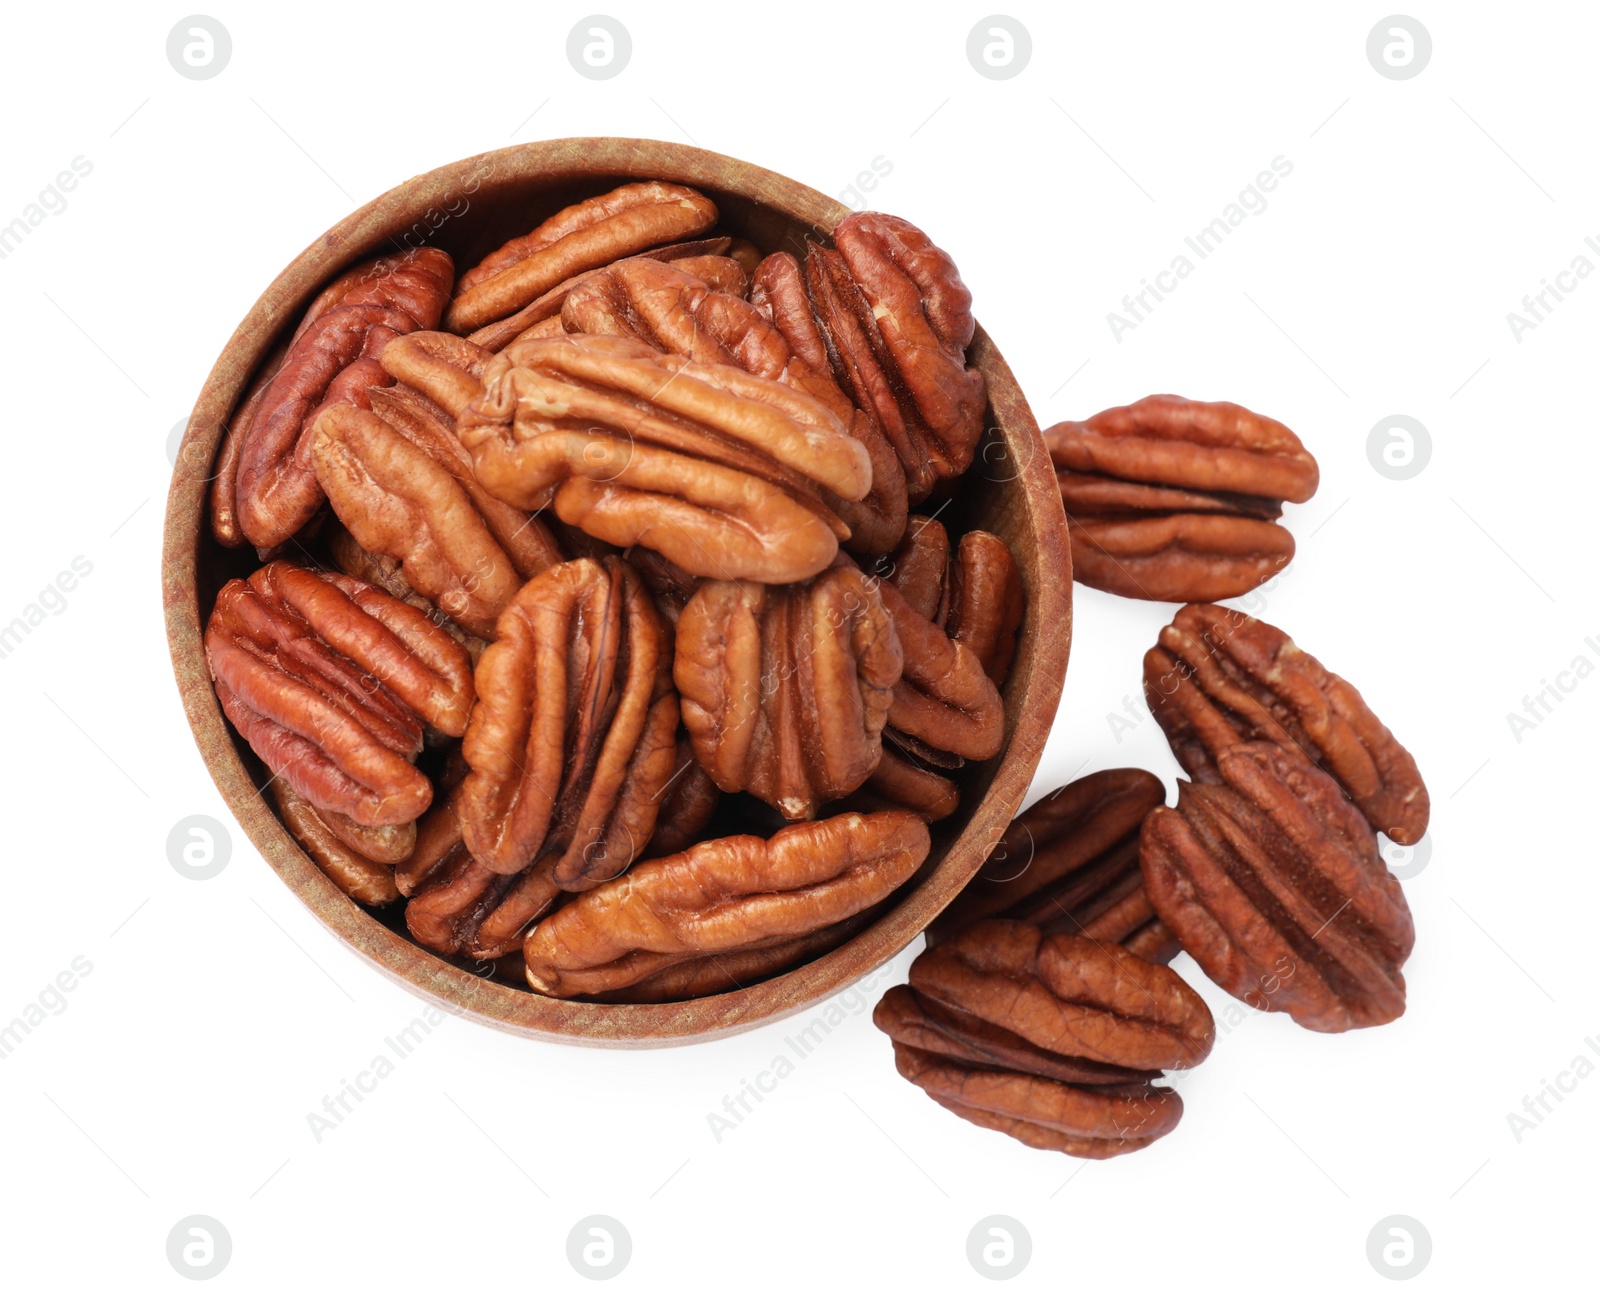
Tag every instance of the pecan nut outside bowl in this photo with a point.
(470, 208)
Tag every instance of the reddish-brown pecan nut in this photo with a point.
(333, 360)
(716, 468)
(1218, 677)
(1272, 881)
(668, 308)
(544, 311)
(397, 500)
(1176, 499)
(332, 683)
(974, 594)
(897, 320)
(944, 699)
(338, 852)
(581, 237)
(903, 781)
(463, 908)
(572, 738)
(1053, 1039)
(1070, 863)
(785, 689)
(735, 969)
(735, 893)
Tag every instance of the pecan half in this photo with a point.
(689, 801)
(1070, 863)
(331, 361)
(591, 233)
(331, 682)
(1176, 499)
(1053, 1039)
(897, 320)
(397, 500)
(1217, 678)
(715, 468)
(785, 689)
(338, 853)
(571, 741)
(730, 894)
(1272, 881)
(345, 554)
(464, 908)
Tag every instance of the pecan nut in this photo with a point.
(1176, 499)
(1053, 1039)
(730, 894)
(1272, 881)
(1070, 863)
(1218, 677)
(331, 682)
(332, 360)
(687, 804)
(667, 307)
(897, 320)
(581, 237)
(785, 689)
(572, 739)
(339, 853)
(715, 468)
(466, 909)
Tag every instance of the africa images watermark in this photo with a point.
(51, 599)
(1251, 201)
(1539, 707)
(51, 201)
(1538, 307)
(801, 1044)
(1537, 1105)
(52, 1000)
(351, 1093)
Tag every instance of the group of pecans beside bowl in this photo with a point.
(1043, 1006)
(594, 622)
(592, 618)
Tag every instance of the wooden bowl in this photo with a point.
(469, 208)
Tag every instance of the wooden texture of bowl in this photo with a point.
(470, 208)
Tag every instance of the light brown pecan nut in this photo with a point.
(1272, 881)
(785, 689)
(544, 311)
(735, 969)
(1175, 499)
(364, 879)
(1218, 677)
(581, 237)
(900, 781)
(689, 801)
(668, 308)
(944, 698)
(571, 742)
(463, 908)
(719, 470)
(332, 682)
(730, 894)
(1070, 863)
(224, 493)
(898, 319)
(331, 361)
(1053, 1039)
(397, 500)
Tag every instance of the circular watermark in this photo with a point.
(1399, 1247)
(1405, 862)
(1399, 447)
(198, 47)
(999, 1247)
(599, 47)
(175, 439)
(198, 847)
(999, 47)
(1399, 47)
(599, 1247)
(199, 1247)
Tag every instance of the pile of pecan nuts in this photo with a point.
(593, 618)
(1042, 1007)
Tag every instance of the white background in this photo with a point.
(218, 1014)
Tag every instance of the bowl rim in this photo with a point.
(1032, 697)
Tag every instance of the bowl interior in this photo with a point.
(469, 209)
